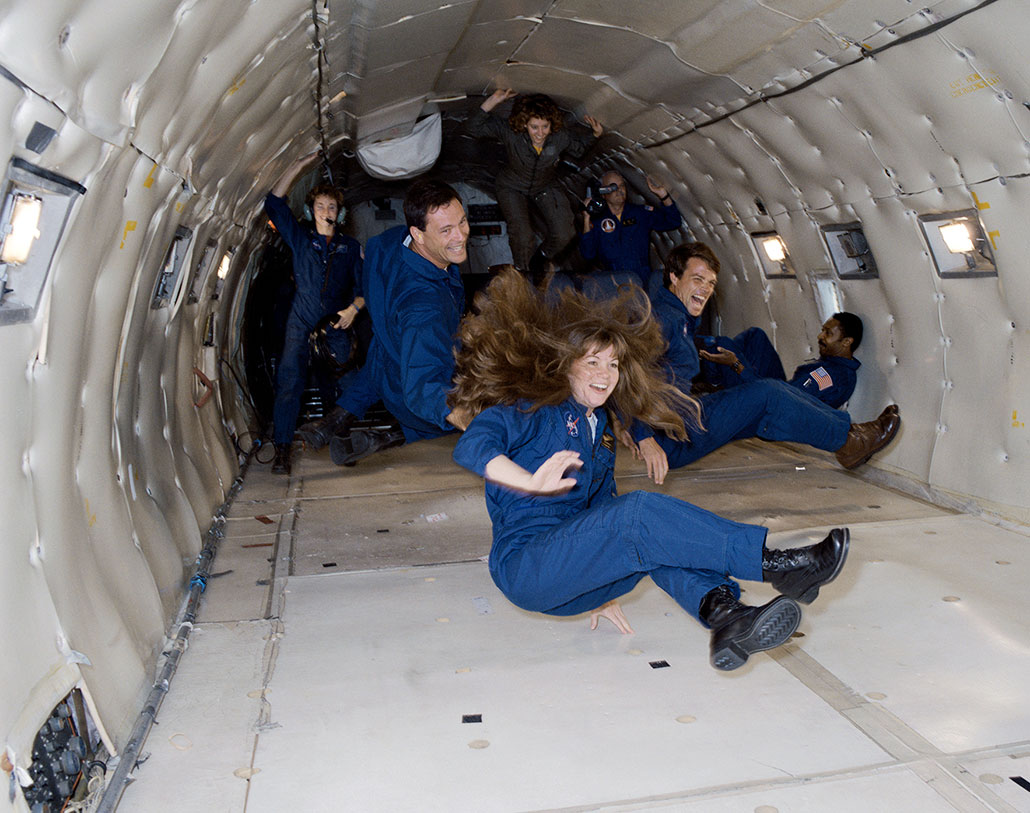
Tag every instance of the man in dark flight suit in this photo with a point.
(831, 377)
(620, 236)
(415, 299)
(327, 273)
(764, 407)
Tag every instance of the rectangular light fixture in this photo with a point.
(36, 204)
(956, 237)
(774, 249)
(849, 251)
(21, 229)
(772, 254)
(958, 244)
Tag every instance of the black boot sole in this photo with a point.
(773, 626)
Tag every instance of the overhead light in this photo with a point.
(774, 249)
(223, 266)
(21, 229)
(956, 237)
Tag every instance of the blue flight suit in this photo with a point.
(764, 407)
(570, 553)
(328, 278)
(623, 247)
(831, 379)
(415, 309)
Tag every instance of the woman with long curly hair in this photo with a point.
(534, 138)
(545, 380)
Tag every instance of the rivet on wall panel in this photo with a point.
(62, 38)
(941, 428)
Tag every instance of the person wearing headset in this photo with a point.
(327, 269)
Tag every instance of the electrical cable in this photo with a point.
(320, 58)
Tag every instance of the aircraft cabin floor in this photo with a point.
(354, 655)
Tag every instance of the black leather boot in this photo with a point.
(319, 432)
(738, 630)
(800, 572)
(349, 448)
(281, 462)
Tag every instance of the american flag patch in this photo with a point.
(822, 378)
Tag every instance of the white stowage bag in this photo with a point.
(404, 156)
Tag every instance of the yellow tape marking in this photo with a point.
(1016, 423)
(979, 204)
(91, 518)
(237, 85)
(149, 182)
(130, 225)
(992, 235)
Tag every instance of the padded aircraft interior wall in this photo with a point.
(761, 115)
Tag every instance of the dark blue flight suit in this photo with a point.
(623, 247)
(328, 278)
(831, 379)
(764, 408)
(415, 309)
(570, 553)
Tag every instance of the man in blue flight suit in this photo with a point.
(763, 407)
(415, 299)
(619, 237)
(831, 377)
(327, 273)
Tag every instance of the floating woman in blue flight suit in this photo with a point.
(540, 376)
(327, 271)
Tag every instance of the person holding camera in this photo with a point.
(618, 234)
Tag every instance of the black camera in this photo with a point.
(596, 192)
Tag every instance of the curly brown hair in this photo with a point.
(537, 106)
(521, 344)
(328, 190)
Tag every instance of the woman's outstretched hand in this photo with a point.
(495, 98)
(550, 477)
(613, 612)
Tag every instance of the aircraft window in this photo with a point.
(35, 210)
(172, 268)
(199, 273)
(827, 294)
(850, 252)
(958, 244)
(772, 255)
